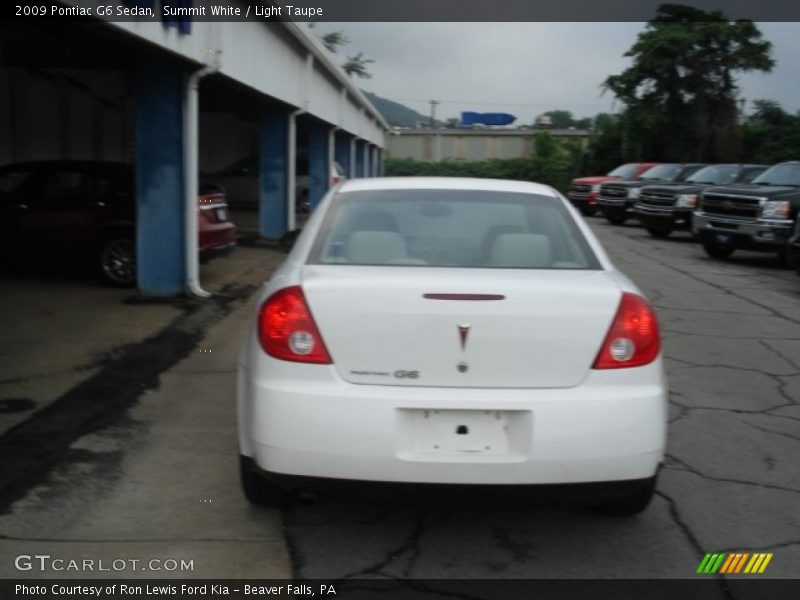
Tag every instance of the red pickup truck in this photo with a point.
(583, 190)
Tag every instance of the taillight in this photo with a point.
(633, 339)
(286, 329)
(335, 179)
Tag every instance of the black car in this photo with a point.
(759, 216)
(616, 198)
(663, 209)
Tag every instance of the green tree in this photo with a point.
(680, 92)
(357, 65)
(771, 134)
(334, 39)
(607, 145)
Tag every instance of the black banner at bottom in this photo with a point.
(701, 588)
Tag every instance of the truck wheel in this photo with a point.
(588, 211)
(659, 232)
(616, 219)
(715, 250)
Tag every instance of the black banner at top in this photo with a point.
(388, 10)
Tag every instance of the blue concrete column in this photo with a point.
(273, 138)
(318, 163)
(374, 161)
(342, 151)
(360, 163)
(367, 159)
(158, 135)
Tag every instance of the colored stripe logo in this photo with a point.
(735, 562)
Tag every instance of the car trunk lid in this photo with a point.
(497, 328)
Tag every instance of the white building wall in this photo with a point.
(271, 58)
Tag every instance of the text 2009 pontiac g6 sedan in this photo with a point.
(451, 331)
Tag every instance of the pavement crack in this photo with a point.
(790, 360)
(410, 546)
(772, 431)
(711, 284)
(687, 467)
(675, 514)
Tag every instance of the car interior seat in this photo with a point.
(531, 250)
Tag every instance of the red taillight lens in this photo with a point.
(633, 339)
(287, 330)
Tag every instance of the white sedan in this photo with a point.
(451, 331)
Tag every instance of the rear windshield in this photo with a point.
(451, 228)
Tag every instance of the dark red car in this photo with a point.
(83, 213)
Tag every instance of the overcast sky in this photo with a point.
(527, 68)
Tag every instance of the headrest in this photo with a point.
(532, 250)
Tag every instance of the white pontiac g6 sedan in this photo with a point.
(451, 331)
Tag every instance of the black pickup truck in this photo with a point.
(759, 216)
(616, 198)
(668, 207)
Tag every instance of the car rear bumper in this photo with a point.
(575, 493)
(313, 424)
(216, 237)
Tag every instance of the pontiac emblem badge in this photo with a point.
(463, 334)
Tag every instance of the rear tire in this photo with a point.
(632, 503)
(658, 232)
(259, 490)
(715, 250)
(116, 259)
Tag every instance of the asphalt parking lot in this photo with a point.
(155, 475)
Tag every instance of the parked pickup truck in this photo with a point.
(759, 216)
(665, 208)
(583, 190)
(616, 198)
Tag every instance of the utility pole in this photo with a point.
(433, 112)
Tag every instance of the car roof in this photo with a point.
(446, 183)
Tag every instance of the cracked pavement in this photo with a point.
(161, 479)
(730, 481)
